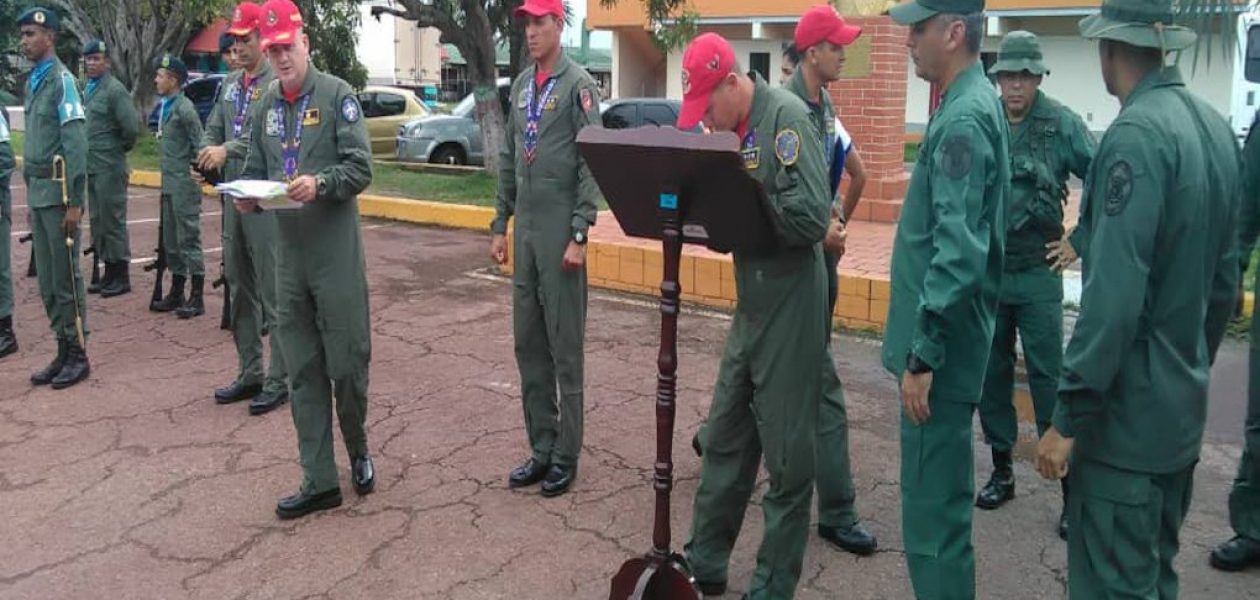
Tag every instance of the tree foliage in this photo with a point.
(11, 73)
(332, 26)
(672, 22)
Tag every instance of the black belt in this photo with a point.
(37, 171)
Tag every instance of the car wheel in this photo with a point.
(449, 154)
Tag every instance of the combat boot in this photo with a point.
(195, 307)
(119, 276)
(1001, 485)
(8, 341)
(174, 298)
(75, 368)
(98, 280)
(46, 375)
(1063, 515)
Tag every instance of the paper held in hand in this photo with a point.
(271, 195)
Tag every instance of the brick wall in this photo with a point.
(873, 110)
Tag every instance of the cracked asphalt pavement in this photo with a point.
(137, 485)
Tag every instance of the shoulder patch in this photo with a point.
(350, 110)
(787, 146)
(1119, 188)
(588, 101)
(71, 107)
(956, 156)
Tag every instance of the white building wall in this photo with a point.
(376, 45)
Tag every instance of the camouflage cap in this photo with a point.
(1142, 23)
(914, 11)
(1021, 51)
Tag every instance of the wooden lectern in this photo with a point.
(676, 187)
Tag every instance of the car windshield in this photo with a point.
(465, 107)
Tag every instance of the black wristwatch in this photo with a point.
(579, 238)
(321, 186)
(915, 365)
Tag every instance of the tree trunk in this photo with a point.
(490, 115)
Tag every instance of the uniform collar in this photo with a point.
(1157, 78)
(562, 65)
(1041, 108)
(761, 97)
(968, 77)
(264, 69)
(797, 86)
(308, 84)
(40, 72)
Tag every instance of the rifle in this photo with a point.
(30, 268)
(158, 265)
(96, 264)
(225, 321)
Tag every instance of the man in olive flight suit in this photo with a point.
(55, 128)
(8, 340)
(1243, 550)
(179, 135)
(548, 188)
(1160, 283)
(308, 131)
(1049, 143)
(249, 250)
(769, 381)
(946, 273)
(112, 126)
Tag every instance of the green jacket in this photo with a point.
(7, 162)
(1249, 221)
(948, 252)
(54, 127)
(232, 112)
(112, 125)
(555, 194)
(179, 136)
(1049, 145)
(1160, 281)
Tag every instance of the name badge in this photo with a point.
(551, 103)
(310, 117)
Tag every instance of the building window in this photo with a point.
(760, 62)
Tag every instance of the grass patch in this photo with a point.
(477, 189)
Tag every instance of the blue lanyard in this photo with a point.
(534, 106)
(291, 148)
(244, 99)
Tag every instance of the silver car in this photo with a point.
(453, 139)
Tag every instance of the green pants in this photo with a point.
(181, 233)
(834, 475)
(937, 487)
(107, 212)
(1125, 531)
(549, 325)
(249, 260)
(6, 245)
(60, 281)
(1244, 498)
(765, 402)
(1032, 306)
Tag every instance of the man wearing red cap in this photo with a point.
(308, 131)
(769, 380)
(249, 252)
(946, 273)
(548, 188)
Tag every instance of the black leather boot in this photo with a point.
(97, 281)
(1236, 554)
(174, 298)
(1001, 486)
(46, 375)
(195, 306)
(119, 276)
(75, 368)
(1063, 524)
(8, 340)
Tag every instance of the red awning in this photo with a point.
(207, 40)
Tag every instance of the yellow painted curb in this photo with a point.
(426, 212)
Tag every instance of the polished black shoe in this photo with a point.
(1236, 554)
(302, 504)
(1001, 486)
(711, 588)
(119, 282)
(363, 475)
(75, 368)
(559, 479)
(855, 539)
(195, 306)
(46, 375)
(97, 281)
(8, 340)
(236, 392)
(173, 299)
(529, 473)
(266, 402)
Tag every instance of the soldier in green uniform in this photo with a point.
(308, 131)
(548, 188)
(1244, 497)
(8, 340)
(54, 190)
(1049, 143)
(769, 380)
(112, 126)
(249, 250)
(1160, 281)
(179, 135)
(946, 273)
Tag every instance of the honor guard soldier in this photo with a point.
(548, 188)
(179, 135)
(8, 340)
(1049, 143)
(309, 132)
(769, 381)
(1160, 280)
(946, 272)
(55, 169)
(249, 249)
(112, 126)
(1243, 550)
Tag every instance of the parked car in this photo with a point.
(384, 109)
(203, 92)
(628, 113)
(453, 139)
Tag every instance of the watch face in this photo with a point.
(579, 237)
